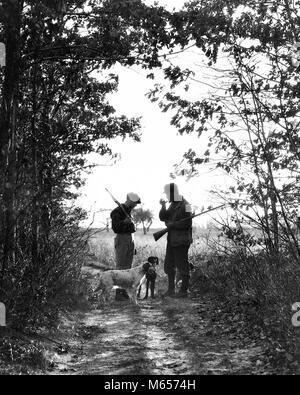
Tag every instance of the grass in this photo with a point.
(102, 246)
(224, 269)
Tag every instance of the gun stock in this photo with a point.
(158, 235)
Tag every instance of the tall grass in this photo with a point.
(221, 267)
(102, 246)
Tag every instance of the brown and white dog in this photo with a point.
(126, 279)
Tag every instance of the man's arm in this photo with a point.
(163, 214)
(121, 225)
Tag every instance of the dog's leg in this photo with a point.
(132, 295)
(109, 296)
(152, 289)
(107, 291)
(139, 291)
(143, 280)
(147, 289)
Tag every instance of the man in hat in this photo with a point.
(124, 228)
(179, 239)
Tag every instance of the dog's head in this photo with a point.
(153, 260)
(151, 263)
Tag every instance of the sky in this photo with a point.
(145, 167)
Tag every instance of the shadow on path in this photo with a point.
(165, 337)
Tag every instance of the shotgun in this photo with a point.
(119, 204)
(158, 235)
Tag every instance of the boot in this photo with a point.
(183, 293)
(171, 288)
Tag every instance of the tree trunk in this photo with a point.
(144, 228)
(11, 20)
(149, 226)
(35, 188)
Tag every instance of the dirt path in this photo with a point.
(159, 337)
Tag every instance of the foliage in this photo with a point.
(250, 116)
(19, 355)
(55, 110)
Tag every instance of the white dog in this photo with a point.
(126, 279)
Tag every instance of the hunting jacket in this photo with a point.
(118, 225)
(181, 234)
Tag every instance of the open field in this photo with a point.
(102, 255)
(102, 245)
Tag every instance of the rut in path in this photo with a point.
(161, 337)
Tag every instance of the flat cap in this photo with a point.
(134, 197)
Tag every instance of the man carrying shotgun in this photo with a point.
(179, 239)
(123, 226)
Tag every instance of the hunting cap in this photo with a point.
(134, 197)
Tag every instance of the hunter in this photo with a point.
(124, 228)
(179, 239)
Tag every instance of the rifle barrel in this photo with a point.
(203, 212)
(119, 204)
(161, 233)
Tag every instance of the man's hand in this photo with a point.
(170, 224)
(162, 202)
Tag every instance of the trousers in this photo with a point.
(124, 249)
(177, 258)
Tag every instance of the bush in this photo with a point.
(35, 294)
(19, 351)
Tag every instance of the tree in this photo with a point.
(257, 95)
(10, 19)
(144, 217)
(54, 111)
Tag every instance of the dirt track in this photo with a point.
(159, 337)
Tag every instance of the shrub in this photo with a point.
(35, 294)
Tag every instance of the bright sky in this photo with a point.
(145, 167)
